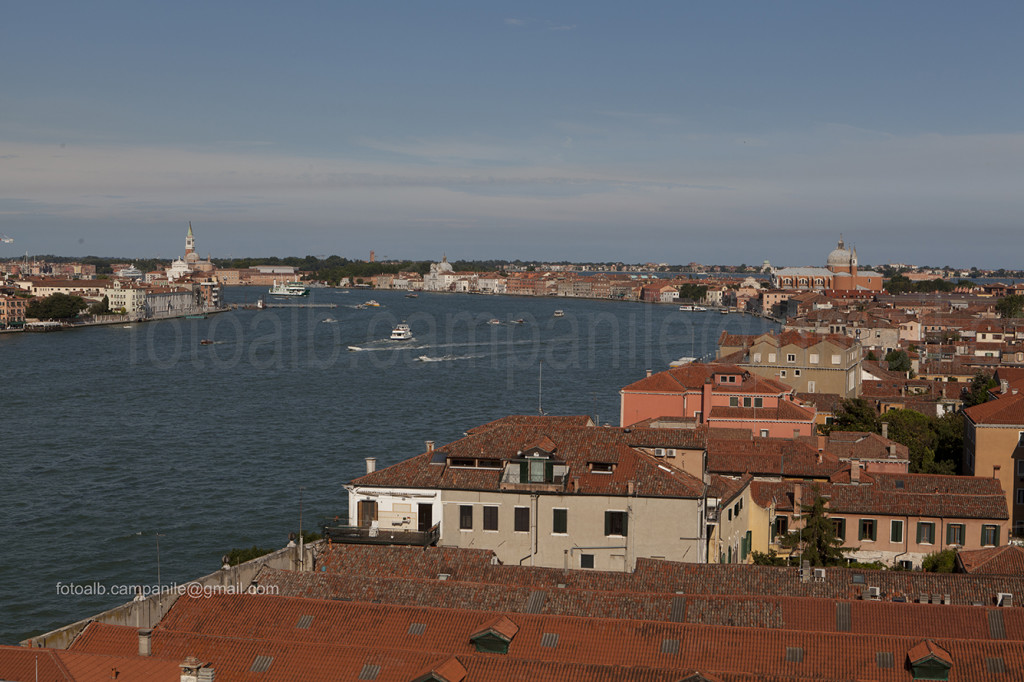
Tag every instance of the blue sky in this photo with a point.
(666, 131)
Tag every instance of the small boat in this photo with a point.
(206, 342)
(401, 332)
(411, 295)
(494, 320)
(559, 313)
(724, 311)
(329, 320)
(520, 321)
(699, 309)
(289, 289)
(686, 308)
(372, 304)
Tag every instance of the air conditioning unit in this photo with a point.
(659, 452)
(819, 575)
(1004, 599)
(874, 593)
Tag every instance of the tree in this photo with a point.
(55, 307)
(940, 562)
(817, 540)
(871, 357)
(855, 414)
(100, 307)
(898, 361)
(949, 431)
(916, 431)
(978, 392)
(1010, 306)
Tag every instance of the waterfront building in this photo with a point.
(548, 491)
(723, 396)
(12, 311)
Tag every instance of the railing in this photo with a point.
(363, 535)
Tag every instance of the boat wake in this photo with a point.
(447, 358)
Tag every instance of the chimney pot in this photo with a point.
(885, 429)
(430, 446)
(649, 372)
(145, 642)
(855, 471)
(371, 464)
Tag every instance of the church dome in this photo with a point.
(840, 256)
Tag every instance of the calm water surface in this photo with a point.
(112, 435)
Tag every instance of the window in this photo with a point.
(586, 560)
(560, 521)
(781, 525)
(764, 433)
(810, 387)
(758, 402)
(1020, 495)
(465, 517)
(601, 467)
(925, 533)
(522, 520)
(955, 534)
(814, 358)
(896, 531)
(746, 402)
(771, 357)
(790, 357)
(836, 359)
(989, 536)
(615, 523)
(796, 372)
(490, 518)
(782, 373)
(757, 357)
(840, 525)
(730, 513)
(867, 530)
(1020, 462)
(734, 402)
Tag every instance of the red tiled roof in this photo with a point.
(692, 377)
(574, 445)
(1006, 410)
(769, 456)
(1005, 560)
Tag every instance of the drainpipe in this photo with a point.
(906, 540)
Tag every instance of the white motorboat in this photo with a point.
(401, 332)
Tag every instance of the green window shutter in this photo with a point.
(549, 472)
(874, 530)
(625, 526)
(524, 472)
(995, 534)
(950, 534)
(920, 530)
(749, 540)
(559, 521)
(607, 523)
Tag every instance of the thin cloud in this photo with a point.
(515, 22)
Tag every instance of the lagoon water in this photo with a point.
(115, 438)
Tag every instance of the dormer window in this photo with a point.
(602, 467)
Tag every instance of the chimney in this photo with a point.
(798, 499)
(430, 446)
(575, 484)
(649, 372)
(1004, 386)
(885, 429)
(145, 642)
(855, 471)
(629, 488)
(371, 464)
(892, 450)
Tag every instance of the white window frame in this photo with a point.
(791, 357)
(837, 359)
(771, 357)
(814, 359)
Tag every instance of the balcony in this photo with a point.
(361, 535)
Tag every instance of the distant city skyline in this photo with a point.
(662, 132)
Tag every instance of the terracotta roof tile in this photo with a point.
(1005, 560)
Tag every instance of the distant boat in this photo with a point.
(289, 289)
(329, 320)
(206, 342)
(494, 320)
(520, 321)
(372, 304)
(401, 332)
(559, 313)
(686, 308)
(724, 311)
(411, 295)
(699, 309)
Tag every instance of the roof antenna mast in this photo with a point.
(540, 388)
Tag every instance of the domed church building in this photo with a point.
(840, 274)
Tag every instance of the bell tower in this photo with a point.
(190, 241)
